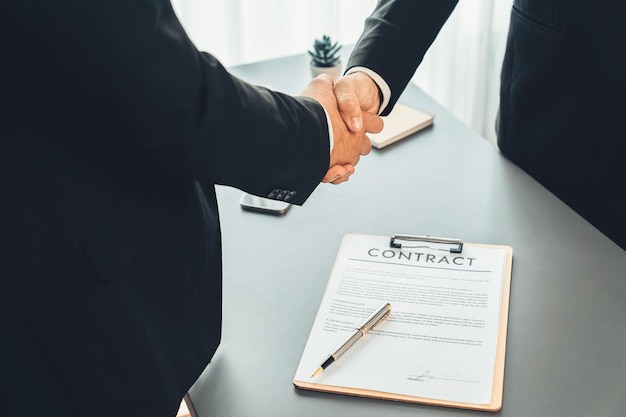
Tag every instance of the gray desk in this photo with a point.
(566, 346)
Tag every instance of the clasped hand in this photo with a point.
(351, 103)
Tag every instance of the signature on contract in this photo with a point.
(432, 373)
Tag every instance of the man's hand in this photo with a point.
(349, 145)
(356, 93)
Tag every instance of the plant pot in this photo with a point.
(334, 72)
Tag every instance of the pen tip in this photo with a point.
(317, 371)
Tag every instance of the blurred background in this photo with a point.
(461, 70)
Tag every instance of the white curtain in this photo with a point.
(461, 69)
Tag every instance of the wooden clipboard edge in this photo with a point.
(498, 377)
(498, 374)
(391, 396)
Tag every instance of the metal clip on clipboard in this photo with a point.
(396, 242)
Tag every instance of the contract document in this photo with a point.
(443, 343)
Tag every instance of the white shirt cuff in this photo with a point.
(384, 87)
(331, 138)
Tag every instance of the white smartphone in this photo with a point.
(263, 205)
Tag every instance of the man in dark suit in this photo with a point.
(562, 99)
(113, 131)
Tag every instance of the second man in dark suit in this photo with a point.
(562, 98)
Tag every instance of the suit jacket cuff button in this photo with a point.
(274, 193)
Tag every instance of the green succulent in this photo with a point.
(325, 52)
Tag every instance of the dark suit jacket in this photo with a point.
(113, 131)
(562, 99)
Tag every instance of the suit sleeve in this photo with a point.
(396, 36)
(154, 91)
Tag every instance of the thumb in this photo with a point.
(372, 122)
(349, 107)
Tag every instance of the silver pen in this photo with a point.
(379, 315)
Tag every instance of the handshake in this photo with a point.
(352, 104)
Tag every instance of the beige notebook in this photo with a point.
(402, 122)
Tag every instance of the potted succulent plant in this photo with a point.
(325, 58)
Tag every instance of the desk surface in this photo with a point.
(566, 345)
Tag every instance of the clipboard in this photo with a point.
(395, 246)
